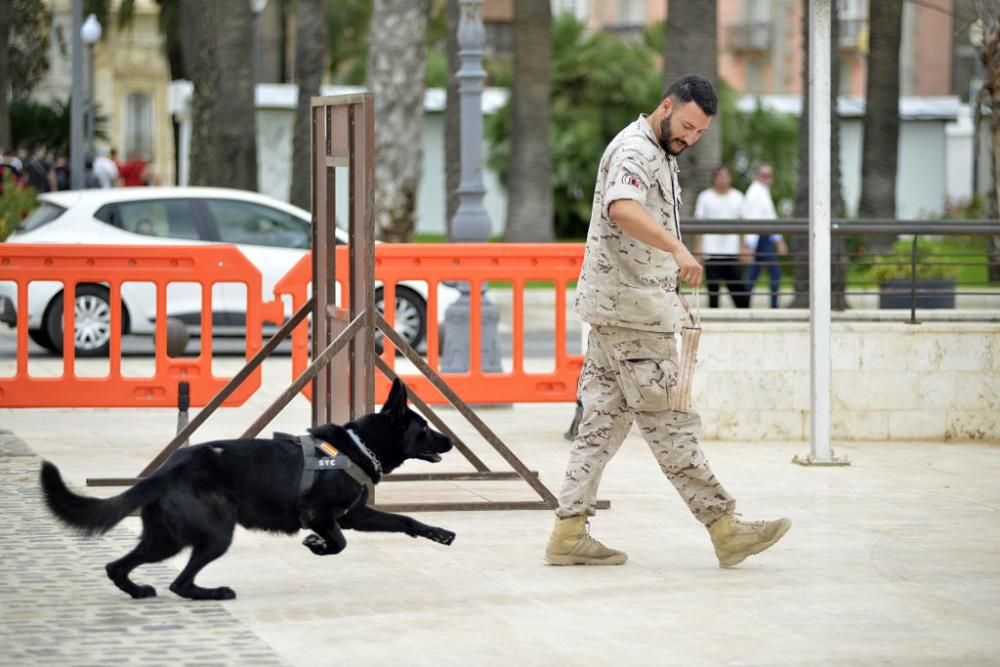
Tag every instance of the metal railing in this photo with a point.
(855, 265)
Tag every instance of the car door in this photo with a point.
(167, 221)
(272, 239)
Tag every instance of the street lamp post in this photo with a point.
(76, 101)
(257, 7)
(90, 33)
(471, 222)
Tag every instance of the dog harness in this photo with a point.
(320, 455)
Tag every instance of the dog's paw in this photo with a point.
(222, 593)
(143, 592)
(316, 544)
(440, 535)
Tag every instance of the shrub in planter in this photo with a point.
(935, 283)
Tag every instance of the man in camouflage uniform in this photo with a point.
(627, 292)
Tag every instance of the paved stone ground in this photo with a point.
(59, 608)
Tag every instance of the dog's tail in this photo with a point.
(94, 516)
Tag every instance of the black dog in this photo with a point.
(199, 495)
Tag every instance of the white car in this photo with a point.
(271, 234)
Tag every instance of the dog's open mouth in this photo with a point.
(432, 457)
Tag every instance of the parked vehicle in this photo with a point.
(271, 234)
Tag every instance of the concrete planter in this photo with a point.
(931, 293)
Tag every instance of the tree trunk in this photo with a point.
(691, 48)
(397, 59)
(881, 125)
(310, 64)
(989, 14)
(529, 180)
(798, 245)
(452, 117)
(5, 18)
(216, 57)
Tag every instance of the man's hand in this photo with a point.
(690, 270)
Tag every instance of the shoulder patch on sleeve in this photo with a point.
(633, 181)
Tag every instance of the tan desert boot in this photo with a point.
(571, 544)
(735, 539)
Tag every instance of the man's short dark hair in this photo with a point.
(694, 88)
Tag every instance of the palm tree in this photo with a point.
(397, 60)
(529, 185)
(691, 48)
(216, 44)
(799, 244)
(881, 125)
(310, 64)
(5, 16)
(989, 95)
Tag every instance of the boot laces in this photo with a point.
(587, 537)
(744, 526)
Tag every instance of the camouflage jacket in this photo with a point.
(625, 282)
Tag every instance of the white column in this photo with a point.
(820, 452)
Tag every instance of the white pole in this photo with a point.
(819, 232)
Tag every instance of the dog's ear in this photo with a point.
(395, 405)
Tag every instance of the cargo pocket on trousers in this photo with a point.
(647, 375)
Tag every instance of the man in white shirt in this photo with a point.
(757, 205)
(105, 170)
(723, 254)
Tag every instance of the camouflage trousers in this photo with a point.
(627, 377)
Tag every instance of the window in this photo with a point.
(42, 215)
(757, 11)
(253, 224)
(165, 218)
(139, 124)
(631, 12)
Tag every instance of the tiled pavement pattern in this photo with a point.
(58, 607)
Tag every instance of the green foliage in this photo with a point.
(15, 203)
(28, 50)
(755, 137)
(599, 84)
(969, 209)
(437, 68)
(348, 22)
(34, 123)
(930, 265)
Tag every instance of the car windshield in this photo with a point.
(42, 215)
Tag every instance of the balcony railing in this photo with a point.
(754, 36)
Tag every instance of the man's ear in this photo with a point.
(667, 105)
(395, 404)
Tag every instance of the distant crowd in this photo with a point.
(47, 170)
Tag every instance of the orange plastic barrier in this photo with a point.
(515, 263)
(111, 266)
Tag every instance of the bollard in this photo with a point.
(183, 403)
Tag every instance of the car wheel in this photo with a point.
(41, 337)
(411, 314)
(93, 321)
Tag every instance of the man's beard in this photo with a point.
(667, 141)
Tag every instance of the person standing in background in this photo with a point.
(133, 171)
(758, 205)
(106, 170)
(723, 254)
